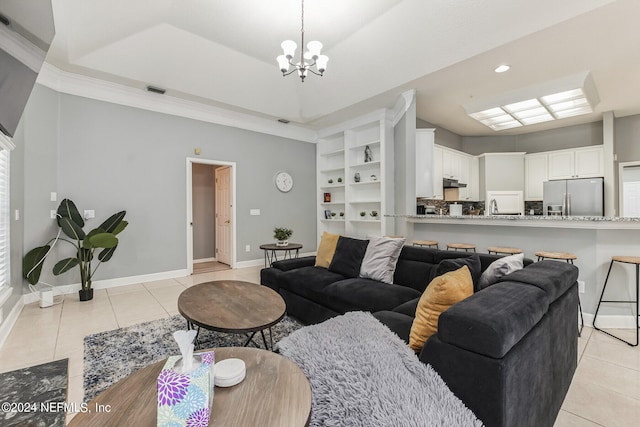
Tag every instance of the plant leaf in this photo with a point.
(87, 242)
(120, 227)
(31, 259)
(71, 229)
(64, 265)
(106, 254)
(103, 240)
(68, 209)
(111, 223)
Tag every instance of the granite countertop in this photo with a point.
(528, 220)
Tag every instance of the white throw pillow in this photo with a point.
(381, 257)
(500, 268)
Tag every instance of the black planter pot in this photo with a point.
(86, 294)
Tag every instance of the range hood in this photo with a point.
(452, 183)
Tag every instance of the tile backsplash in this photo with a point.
(474, 208)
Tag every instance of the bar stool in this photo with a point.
(627, 260)
(427, 243)
(503, 250)
(462, 246)
(563, 256)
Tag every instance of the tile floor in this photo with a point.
(605, 389)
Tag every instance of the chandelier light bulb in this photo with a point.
(314, 49)
(283, 63)
(321, 63)
(289, 48)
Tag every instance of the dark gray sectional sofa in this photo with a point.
(508, 351)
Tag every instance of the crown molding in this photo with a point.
(21, 49)
(6, 142)
(93, 88)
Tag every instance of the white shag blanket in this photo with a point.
(362, 374)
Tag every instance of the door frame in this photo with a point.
(621, 167)
(189, 215)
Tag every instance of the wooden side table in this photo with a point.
(274, 393)
(271, 249)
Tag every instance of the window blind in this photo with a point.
(4, 219)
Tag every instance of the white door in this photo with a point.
(223, 214)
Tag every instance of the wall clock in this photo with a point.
(283, 181)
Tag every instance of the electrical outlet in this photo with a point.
(247, 248)
(54, 196)
(89, 214)
(52, 213)
(581, 286)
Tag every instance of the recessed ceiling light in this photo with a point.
(502, 68)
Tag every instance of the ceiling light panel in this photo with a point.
(523, 105)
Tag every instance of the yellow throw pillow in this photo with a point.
(442, 293)
(326, 249)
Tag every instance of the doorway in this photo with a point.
(629, 189)
(210, 209)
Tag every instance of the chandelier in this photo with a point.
(310, 58)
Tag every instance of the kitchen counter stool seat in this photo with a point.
(427, 243)
(503, 250)
(625, 260)
(462, 247)
(568, 257)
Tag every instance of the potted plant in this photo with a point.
(341, 214)
(333, 215)
(330, 181)
(282, 235)
(362, 213)
(339, 179)
(374, 214)
(85, 244)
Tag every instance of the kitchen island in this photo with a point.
(594, 240)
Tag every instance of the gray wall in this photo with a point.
(109, 157)
(536, 142)
(443, 137)
(203, 197)
(627, 135)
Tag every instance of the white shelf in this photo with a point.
(366, 182)
(362, 202)
(332, 186)
(332, 153)
(333, 170)
(332, 203)
(365, 220)
(333, 220)
(362, 145)
(368, 165)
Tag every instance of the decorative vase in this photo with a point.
(282, 242)
(85, 294)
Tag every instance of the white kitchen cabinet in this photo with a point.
(425, 163)
(464, 177)
(584, 162)
(536, 172)
(438, 191)
(473, 185)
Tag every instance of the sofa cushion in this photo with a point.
(366, 295)
(553, 277)
(397, 322)
(326, 249)
(493, 320)
(500, 268)
(408, 308)
(348, 256)
(309, 282)
(443, 292)
(473, 262)
(380, 258)
(414, 267)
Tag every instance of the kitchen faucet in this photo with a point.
(493, 207)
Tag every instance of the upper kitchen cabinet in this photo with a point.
(456, 165)
(584, 162)
(536, 172)
(438, 190)
(425, 163)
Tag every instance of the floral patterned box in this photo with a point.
(185, 400)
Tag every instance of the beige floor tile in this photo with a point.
(134, 319)
(196, 279)
(168, 296)
(118, 290)
(599, 404)
(47, 313)
(567, 419)
(75, 393)
(158, 284)
(9, 361)
(614, 377)
(583, 340)
(603, 347)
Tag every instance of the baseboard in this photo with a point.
(9, 321)
(201, 260)
(611, 321)
(112, 283)
(260, 262)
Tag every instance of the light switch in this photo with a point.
(89, 214)
(17, 214)
(54, 196)
(254, 212)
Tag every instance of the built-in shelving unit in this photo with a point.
(366, 182)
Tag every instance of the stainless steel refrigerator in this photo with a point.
(574, 197)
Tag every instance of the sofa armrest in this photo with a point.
(293, 263)
(492, 321)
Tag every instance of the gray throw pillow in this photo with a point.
(380, 259)
(500, 268)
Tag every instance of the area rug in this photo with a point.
(34, 396)
(362, 374)
(112, 355)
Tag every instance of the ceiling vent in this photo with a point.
(285, 121)
(156, 89)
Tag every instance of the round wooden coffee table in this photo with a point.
(232, 306)
(275, 392)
